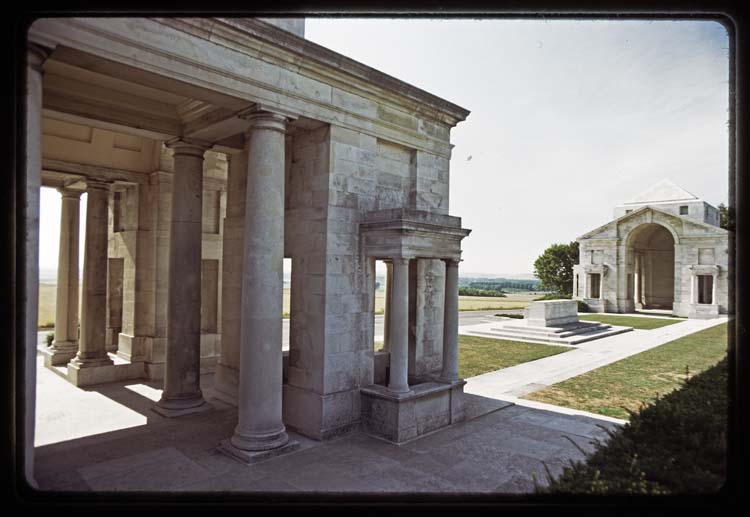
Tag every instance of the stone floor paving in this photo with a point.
(501, 451)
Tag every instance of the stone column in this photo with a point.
(715, 278)
(450, 323)
(260, 429)
(65, 346)
(182, 393)
(637, 281)
(693, 287)
(92, 345)
(28, 229)
(399, 328)
(388, 306)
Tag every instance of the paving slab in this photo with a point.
(503, 445)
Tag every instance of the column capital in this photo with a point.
(189, 146)
(400, 261)
(262, 116)
(449, 262)
(69, 193)
(36, 55)
(97, 184)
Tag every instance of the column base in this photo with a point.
(260, 442)
(172, 408)
(453, 382)
(60, 354)
(399, 392)
(91, 362)
(250, 457)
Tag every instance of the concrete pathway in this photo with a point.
(526, 378)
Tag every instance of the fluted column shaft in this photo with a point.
(260, 425)
(449, 372)
(399, 328)
(182, 393)
(92, 344)
(66, 307)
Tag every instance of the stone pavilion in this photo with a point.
(209, 150)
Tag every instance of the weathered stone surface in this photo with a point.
(188, 266)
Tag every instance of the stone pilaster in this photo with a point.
(450, 323)
(65, 345)
(399, 328)
(227, 369)
(260, 430)
(182, 393)
(92, 345)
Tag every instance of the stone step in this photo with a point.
(582, 325)
(550, 332)
(553, 339)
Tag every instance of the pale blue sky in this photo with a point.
(569, 118)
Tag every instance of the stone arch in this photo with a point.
(633, 233)
(651, 265)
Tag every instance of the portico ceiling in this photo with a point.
(90, 90)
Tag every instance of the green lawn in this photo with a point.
(630, 321)
(477, 355)
(637, 379)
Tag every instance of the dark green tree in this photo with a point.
(554, 267)
(725, 219)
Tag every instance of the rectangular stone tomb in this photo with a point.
(399, 418)
(551, 313)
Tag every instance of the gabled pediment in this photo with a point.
(648, 214)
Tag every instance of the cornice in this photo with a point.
(269, 43)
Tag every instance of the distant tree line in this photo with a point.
(500, 284)
(469, 291)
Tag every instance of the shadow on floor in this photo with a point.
(501, 449)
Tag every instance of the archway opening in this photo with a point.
(651, 281)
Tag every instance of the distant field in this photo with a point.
(47, 294)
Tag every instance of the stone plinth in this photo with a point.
(400, 417)
(701, 311)
(551, 313)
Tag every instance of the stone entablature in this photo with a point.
(412, 234)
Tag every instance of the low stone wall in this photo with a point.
(402, 417)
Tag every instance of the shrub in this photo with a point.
(676, 445)
(49, 338)
(583, 306)
(48, 325)
(515, 316)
